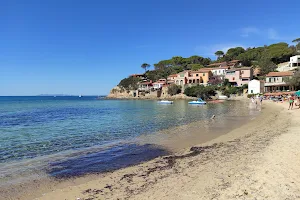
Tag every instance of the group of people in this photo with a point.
(294, 100)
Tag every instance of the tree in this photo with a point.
(279, 52)
(145, 66)
(216, 80)
(294, 81)
(129, 83)
(233, 53)
(297, 41)
(200, 91)
(266, 65)
(195, 67)
(219, 54)
(174, 89)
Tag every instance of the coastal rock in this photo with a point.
(121, 93)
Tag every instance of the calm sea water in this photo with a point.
(73, 136)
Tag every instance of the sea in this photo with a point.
(66, 136)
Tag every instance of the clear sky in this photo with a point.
(87, 47)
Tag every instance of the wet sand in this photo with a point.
(259, 160)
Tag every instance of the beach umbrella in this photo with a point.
(297, 93)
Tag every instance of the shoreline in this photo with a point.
(234, 165)
(74, 182)
(42, 184)
(219, 168)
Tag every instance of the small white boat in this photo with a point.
(165, 102)
(199, 101)
(222, 97)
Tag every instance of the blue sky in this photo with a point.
(87, 47)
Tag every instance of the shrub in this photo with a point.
(250, 95)
(129, 83)
(174, 89)
(200, 91)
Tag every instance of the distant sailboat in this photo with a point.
(79, 96)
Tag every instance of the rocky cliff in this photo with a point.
(121, 93)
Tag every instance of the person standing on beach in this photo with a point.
(291, 101)
(260, 100)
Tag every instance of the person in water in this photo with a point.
(291, 101)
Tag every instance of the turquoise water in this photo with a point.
(62, 133)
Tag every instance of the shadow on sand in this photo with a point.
(108, 160)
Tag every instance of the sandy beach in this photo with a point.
(259, 160)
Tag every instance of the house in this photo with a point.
(145, 85)
(159, 84)
(171, 78)
(293, 64)
(276, 81)
(182, 78)
(295, 61)
(220, 71)
(239, 76)
(200, 76)
(221, 64)
(283, 67)
(234, 63)
(256, 87)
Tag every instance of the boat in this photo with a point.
(222, 97)
(199, 102)
(165, 102)
(79, 96)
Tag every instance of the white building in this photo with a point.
(295, 61)
(219, 71)
(256, 87)
(289, 66)
(159, 84)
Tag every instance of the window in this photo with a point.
(197, 74)
(233, 78)
(242, 72)
(270, 80)
(251, 91)
(203, 74)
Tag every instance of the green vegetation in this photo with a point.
(219, 54)
(294, 81)
(145, 66)
(129, 83)
(276, 53)
(297, 41)
(174, 89)
(250, 95)
(227, 89)
(200, 91)
(265, 57)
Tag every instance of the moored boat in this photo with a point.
(222, 97)
(165, 102)
(199, 101)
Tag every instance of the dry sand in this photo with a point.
(260, 160)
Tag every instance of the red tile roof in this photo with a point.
(173, 75)
(202, 70)
(222, 67)
(215, 64)
(275, 74)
